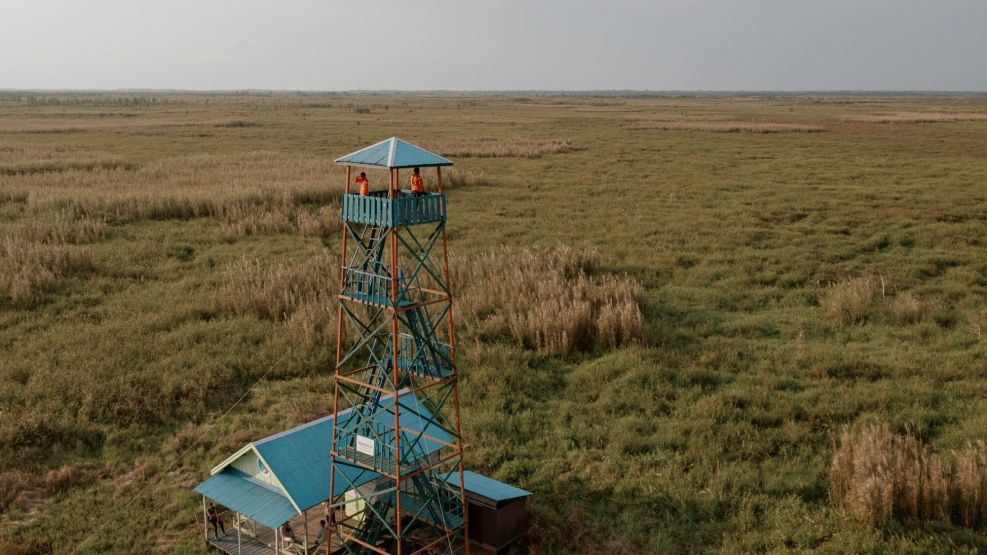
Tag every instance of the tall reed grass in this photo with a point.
(917, 117)
(456, 178)
(62, 227)
(184, 187)
(880, 476)
(553, 301)
(28, 269)
(302, 295)
(727, 126)
(517, 147)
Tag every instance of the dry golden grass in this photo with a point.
(548, 300)
(858, 299)
(282, 218)
(726, 126)
(76, 194)
(455, 178)
(880, 476)
(904, 309)
(851, 301)
(978, 323)
(28, 268)
(970, 485)
(45, 159)
(486, 147)
(917, 117)
(183, 187)
(62, 227)
(12, 484)
(302, 295)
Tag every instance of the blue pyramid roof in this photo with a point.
(393, 153)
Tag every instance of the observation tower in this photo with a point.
(396, 366)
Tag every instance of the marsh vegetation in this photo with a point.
(734, 324)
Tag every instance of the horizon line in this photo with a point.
(494, 91)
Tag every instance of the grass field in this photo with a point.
(740, 278)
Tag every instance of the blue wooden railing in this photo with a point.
(377, 209)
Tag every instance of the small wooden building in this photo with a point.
(498, 515)
(284, 478)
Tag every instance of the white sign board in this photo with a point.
(364, 445)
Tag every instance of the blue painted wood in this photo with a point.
(377, 209)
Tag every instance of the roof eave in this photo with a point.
(341, 162)
(439, 165)
(229, 460)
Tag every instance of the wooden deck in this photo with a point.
(263, 542)
(247, 546)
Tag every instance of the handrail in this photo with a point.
(383, 437)
(409, 353)
(379, 210)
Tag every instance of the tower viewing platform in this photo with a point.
(379, 208)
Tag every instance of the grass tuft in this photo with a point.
(880, 476)
(300, 295)
(551, 301)
(63, 227)
(28, 269)
(861, 299)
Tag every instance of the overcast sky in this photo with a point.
(489, 45)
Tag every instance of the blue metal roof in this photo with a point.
(299, 459)
(393, 153)
(236, 490)
(486, 487)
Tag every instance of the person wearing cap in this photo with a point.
(417, 183)
(364, 185)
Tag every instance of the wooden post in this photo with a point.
(339, 357)
(438, 171)
(239, 545)
(205, 521)
(305, 518)
(397, 397)
(277, 545)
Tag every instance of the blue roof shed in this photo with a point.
(488, 488)
(275, 478)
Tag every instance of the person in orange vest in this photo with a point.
(417, 183)
(364, 184)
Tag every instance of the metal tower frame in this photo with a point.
(396, 368)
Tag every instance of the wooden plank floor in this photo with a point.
(263, 542)
(250, 546)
